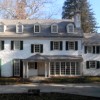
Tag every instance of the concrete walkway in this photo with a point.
(81, 89)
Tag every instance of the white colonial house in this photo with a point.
(48, 48)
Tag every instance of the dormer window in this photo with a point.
(19, 28)
(54, 29)
(1, 28)
(36, 28)
(70, 28)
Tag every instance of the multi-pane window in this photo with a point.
(56, 45)
(54, 29)
(64, 68)
(92, 49)
(70, 28)
(1, 28)
(19, 28)
(16, 45)
(32, 65)
(36, 28)
(16, 67)
(93, 64)
(71, 45)
(36, 48)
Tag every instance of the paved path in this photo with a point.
(83, 89)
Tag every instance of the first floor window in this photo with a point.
(36, 48)
(16, 67)
(93, 64)
(32, 65)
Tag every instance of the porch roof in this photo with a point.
(39, 57)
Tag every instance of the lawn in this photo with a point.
(45, 96)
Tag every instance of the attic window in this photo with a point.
(1, 28)
(19, 29)
(54, 29)
(70, 28)
(36, 28)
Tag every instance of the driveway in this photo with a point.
(81, 89)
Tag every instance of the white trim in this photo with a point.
(67, 27)
(39, 28)
(52, 28)
(4, 27)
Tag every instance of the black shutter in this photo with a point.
(85, 49)
(2, 45)
(41, 48)
(21, 45)
(98, 64)
(32, 48)
(51, 45)
(87, 64)
(66, 45)
(35, 65)
(12, 45)
(97, 49)
(61, 45)
(13, 67)
(76, 45)
(93, 49)
(21, 68)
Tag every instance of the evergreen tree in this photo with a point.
(87, 15)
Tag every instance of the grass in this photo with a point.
(45, 96)
(86, 79)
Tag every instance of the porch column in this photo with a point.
(49, 70)
(23, 69)
(27, 69)
(45, 69)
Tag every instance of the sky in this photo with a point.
(95, 5)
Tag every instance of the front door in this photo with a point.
(41, 68)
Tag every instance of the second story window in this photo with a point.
(36, 48)
(16, 45)
(1, 28)
(70, 28)
(36, 28)
(54, 29)
(1, 45)
(56, 45)
(71, 45)
(19, 28)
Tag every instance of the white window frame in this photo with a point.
(52, 28)
(15, 45)
(69, 46)
(68, 30)
(35, 48)
(39, 28)
(88, 47)
(17, 30)
(58, 45)
(94, 66)
(18, 74)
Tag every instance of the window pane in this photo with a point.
(1, 28)
(17, 45)
(72, 68)
(16, 67)
(20, 29)
(37, 48)
(52, 68)
(67, 68)
(89, 49)
(56, 45)
(62, 68)
(92, 64)
(36, 28)
(71, 45)
(78, 68)
(54, 28)
(58, 68)
(71, 28)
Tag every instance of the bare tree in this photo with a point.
(25, 9)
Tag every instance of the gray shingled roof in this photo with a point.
(92, 38)
(45, 26)
(39, 57)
